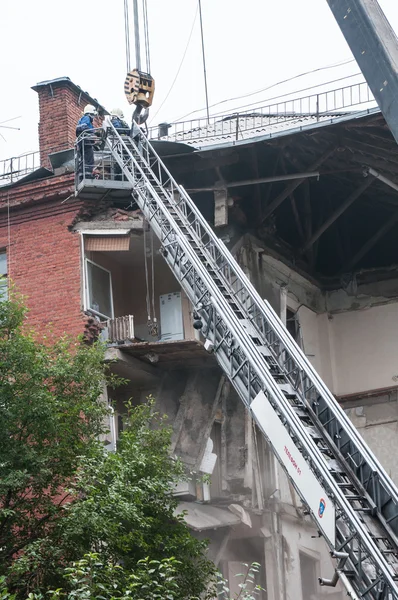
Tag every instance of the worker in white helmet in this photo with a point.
(117, 120)
(86, 143)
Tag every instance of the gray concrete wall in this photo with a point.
(376, 419)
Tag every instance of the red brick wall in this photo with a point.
(44, 260)
(60, 108)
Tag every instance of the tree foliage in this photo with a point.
(50, 415)
(71, 514)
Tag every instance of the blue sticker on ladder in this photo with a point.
(321, 509)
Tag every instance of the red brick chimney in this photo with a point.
(61, 104)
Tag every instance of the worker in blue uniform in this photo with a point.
(86, 144)
(117, 120)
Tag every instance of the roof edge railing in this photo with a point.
(237, 122)
(14, 168)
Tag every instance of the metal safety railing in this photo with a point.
(93, 161)
(246, 123)
(14, 168)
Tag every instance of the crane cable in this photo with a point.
(146, 35)
(127, 35)
(137, 35)
(152, 323)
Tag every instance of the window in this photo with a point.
(99, 290)
(292, 325)
(309, 579)
(3, 276)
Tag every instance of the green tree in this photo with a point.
(50, 416)
(63, 497)
(125, 512)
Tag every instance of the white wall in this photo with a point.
(365, 348)
(318, 343)
(354, 351)
(350, 336)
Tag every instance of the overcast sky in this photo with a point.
(250, 45)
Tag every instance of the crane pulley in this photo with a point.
(139, 88)
(139, 85)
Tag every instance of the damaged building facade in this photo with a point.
(308, 205)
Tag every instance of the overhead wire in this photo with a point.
(180, 65)
(204, 60)
(341, 63)
(282, 97)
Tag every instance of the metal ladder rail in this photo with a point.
(240, 334)
(362, 503)
(350, 491)
(385, 502)
(353, 431)
(329, 413)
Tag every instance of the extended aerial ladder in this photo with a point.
(351, 499)
(347, 492)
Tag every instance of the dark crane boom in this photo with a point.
(374, 45)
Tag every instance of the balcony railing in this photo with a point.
(14, 168)
(268, 119)
(120, 329)
(95, 166)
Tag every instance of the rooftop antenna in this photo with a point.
(204, 60)
(2, 126)
(9, 126)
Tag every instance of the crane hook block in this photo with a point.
(139, 88)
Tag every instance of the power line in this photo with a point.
(204, 60)
(269, 87)
(180, 66)
(283, 96)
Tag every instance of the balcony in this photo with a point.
(126, 280)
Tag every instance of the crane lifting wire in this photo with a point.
(139, 85)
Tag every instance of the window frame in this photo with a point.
(315, 558)
(4, 278)
(87, 291)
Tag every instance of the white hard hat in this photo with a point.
(89, 109)
(117, 112)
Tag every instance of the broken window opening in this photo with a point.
(239, 554)
(293, 325)
(309, 568)
(99, 290)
